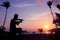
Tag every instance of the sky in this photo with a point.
(36, 14)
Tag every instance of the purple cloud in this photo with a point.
(55, 2)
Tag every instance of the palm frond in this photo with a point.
(49, 3)
(6, 4)
(58, 6)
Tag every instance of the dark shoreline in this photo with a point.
(27, 37)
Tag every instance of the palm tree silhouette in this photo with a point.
(58, 15)
(49, 3)
(5, 4)
(58, 6)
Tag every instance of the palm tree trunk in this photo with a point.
(52, 13)
(53, 17)
(5, 18)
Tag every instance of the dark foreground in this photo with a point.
(28, 37)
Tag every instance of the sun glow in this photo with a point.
(46, 26)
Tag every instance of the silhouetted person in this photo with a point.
(15, 21)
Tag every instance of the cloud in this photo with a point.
(55, 2)
(37, 16)
(24, 5)
(40, 1)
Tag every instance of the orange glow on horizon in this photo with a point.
(46, 26)
(38, 22)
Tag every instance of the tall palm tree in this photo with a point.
(49, 3)
(58, 15)
(5, 4)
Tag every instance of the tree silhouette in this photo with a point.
(40, 30)
(58, 15)
(58, 6)
(57, 21)
(5, 4)
(49, 3)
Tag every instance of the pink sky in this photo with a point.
(36, 14)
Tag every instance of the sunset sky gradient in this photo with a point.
(36, 14)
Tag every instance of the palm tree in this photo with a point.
(58, 6)
(49, 3)
(6, 5)
(58, 15)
